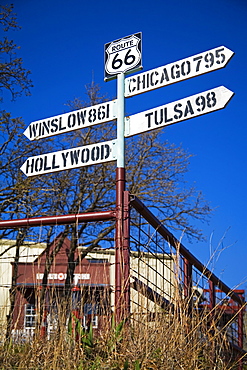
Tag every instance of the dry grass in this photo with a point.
(169, 340)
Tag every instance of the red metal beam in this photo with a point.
(58, 220)
(119, 274)
(126, 253)
(187, 278)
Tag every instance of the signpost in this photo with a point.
(71, 121)
(180, 110)
(71, 158)
(123, 55)
(183, 69)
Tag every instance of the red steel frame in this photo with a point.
(58, 220)
(170, 238)
(119, 257)
(189, 261)
(122, 250)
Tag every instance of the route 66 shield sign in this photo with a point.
(123, 55)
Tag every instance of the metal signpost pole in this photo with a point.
(120, 187)
(126, 252)
(122, 56)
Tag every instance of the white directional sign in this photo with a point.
(180, 110)
(123, 55)
(71, 121)
(193, 66)
(71, 158)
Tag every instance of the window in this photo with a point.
(90, 315)
(89, 319)
(29, 315)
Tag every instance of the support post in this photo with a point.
(188, 283)
(120, 184)
(126, 253)
(120, 121)
(211, 295)
(43, 328)
(240, 330)
(212, 301)
(120, 188)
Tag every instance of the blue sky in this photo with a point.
(62, 43)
